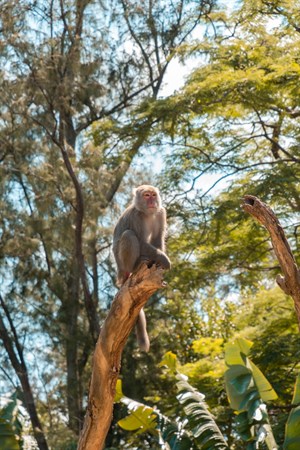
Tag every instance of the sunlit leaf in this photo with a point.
(119, 394)
(169, 360)
(265, 389)
(140, 419)
(232, 355)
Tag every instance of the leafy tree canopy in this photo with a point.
(83, 120)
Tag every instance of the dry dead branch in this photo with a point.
(290, 281)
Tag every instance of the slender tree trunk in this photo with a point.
(78, 279)
(71, 309)
(15, 354)
(31, 408)
(67, 140)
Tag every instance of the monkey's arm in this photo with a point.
(158, 242)
(158, 236)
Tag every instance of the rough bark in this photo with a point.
(290, 281)
(107, 356)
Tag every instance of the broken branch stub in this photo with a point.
(108, 351)
(290, 282)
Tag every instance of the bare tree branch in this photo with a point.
(290, 282)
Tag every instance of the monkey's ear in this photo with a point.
(137, 190)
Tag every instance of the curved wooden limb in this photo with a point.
(116, 328)
(290, 281)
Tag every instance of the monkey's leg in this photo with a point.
(155, 255)
(141, 332)
(128, 254)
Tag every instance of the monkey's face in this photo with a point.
(150, 199)
(147, 199)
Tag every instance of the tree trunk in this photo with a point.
(290, 282)
(15, 353)
(107, 357)
(71, 312)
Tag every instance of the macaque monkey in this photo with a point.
(140, 236)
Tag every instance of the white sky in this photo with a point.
(175, 76)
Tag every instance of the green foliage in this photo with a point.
(169, 360)
(247, 390)
(8, 438)
(232, 129)
(11, 424)
(243, 377)
(292, 438)
(197, 429)
(201, 423)
(141, 417)
(296, 396)
(208, 346)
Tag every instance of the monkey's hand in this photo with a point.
(162, 260)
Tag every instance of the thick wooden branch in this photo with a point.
(290, 282)
(107, 356)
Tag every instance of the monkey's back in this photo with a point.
(131, 219)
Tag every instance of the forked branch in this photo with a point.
(108, 351)
(290, 281)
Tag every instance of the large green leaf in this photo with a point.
(242, 426)
(175, 438)
(264, 388)
(292, 432)
(232, 355)
(12, 414)
(243, 378)
(236, 351)
(296, 396)
(10, 424)
(141, 418)
(238, 380)
(247, 390)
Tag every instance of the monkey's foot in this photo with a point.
(149, 263)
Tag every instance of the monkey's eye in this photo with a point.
(149, 194)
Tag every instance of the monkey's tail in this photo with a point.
(141, 332)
